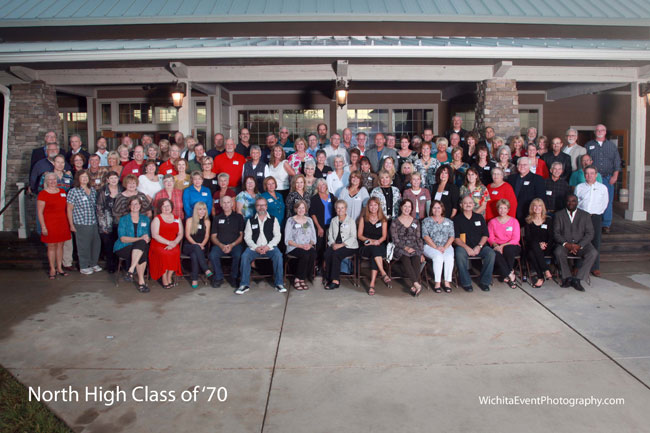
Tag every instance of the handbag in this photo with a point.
(390, 249)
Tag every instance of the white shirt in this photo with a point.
(592, 198)
(103, 158)
(148, 187)
(279, 174)
(261, 240)
(571, 216)
(335, 184)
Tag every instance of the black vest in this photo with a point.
(268, 227)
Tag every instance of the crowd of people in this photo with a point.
(323, 200)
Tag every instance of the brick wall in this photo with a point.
(498, 106)
(32, 112)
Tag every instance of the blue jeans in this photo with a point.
(249, 255)
(607, 216)
(462, 263)
(215, 258)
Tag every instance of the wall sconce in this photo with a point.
(341, 91)
(644, 91)
(178, 93)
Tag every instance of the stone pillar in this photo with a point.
(498, 106)
(33, 111)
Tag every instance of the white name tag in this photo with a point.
(344, 226)
(270, 200)
(216, 200)
(143, 224)
(477, 223)
(487, 167)
(170, 171)
(507, 170)
(62, 194)
(329, 200)
(526, 182)
(446, 223)
(254, 226)
(84, 197)
(222, 221)
(544, 226)
(97, 181)
(66, 180)
(215, 181)
(378, 225)
(200, 226)
(235, 163)
(508, 229)
(176, 221)
(495, 192)
(260, 174)
(592, 147)
(385, 156)
(204, 194)
(297, 225)
(135, 170)
(357, 198)
(549, 192)
(477, 194)
(414, 225)
(445, 193)
(186, 183)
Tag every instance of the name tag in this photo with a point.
(544, 226)
(97, 181)
(260, 174)
(446, 223)
(270, 200)
(222, 221)
(344, 226)
(169, 171)
(62, 194)
(329, 200)
(487, 167)
(495, 192)
(297, 225)
(176, 220)
(254, 226)
(66, 180)
(84, 197)
(216, 200)
(200, 226)
(385, 156)
(445, 193)
(526, 182)
(378, 225)
(135, 170)
(592, 147)
(215, 181)
(414, 225)
(508, 229)
(204, 194)
(549, 192)
(477, 194)
(186, 183)
(477, 223)
(235, 163)
(507, 170)
(143, 224)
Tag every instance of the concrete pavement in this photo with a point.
(320, 361)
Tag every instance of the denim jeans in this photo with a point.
(462, 263)
(607, 216)
(249, 255)
(215, 258)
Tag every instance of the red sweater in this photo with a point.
(233, 166)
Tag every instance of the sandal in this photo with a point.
(304, 285)
(63, 274)
(386, 280)
(297, 284)
(446, 288)
(437, 289)
(208, 273)
(538, 283)
(129, 276)
(371, 290)
(510, 283)
(52, 276)
(417, 289)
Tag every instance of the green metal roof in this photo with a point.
(19, 13)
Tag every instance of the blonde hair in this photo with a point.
(194, 227)
(536, 201)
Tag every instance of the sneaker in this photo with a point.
(86, 271)
(281, 289)
(97, 268)
(241, 290)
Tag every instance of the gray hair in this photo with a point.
(523, 159)
(571, 130)
(310, 163)
(255, 147)
(504, 148)
(224, 176)
(319, 181)
(557, 163)
(48, 174)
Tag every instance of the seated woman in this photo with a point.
(274, 199)
(300, 239)
(406, 235)
(373, 232)
(504, 239)
(342, 241)
(474, 188)
(197, 235)
(132, 242)
(538, 236)
(51, 211)
(165, 251)
(321, 212)
(438, 235)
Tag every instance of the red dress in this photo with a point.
(160, 259)
(56, 219)
(504, 191)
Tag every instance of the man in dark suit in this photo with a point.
(39, 153)
(527, 186)
(573, 233)
(377, 154)
(75, 148)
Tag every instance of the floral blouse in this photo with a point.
(295, 162)
(404, 237)
(299, 233)
(428, 171)
(248, 202)
(377, 192)
(481, 196)
(291, 200)
(438, 232)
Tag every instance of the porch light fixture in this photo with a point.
(644, 91)
(178, 93)
(341, 91)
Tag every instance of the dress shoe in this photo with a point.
(468, 289)
(576, 285)
(606, 230)
(484, 287)
(595, 273)
(566, 283)
(331, 286)
(216, 283)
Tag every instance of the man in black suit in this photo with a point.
(75, 148)
(573, 232)
(457, 127)
(527, 186)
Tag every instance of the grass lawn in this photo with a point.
(18, 414)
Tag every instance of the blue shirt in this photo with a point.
(191, 196)
(275, 206)
(328, 211)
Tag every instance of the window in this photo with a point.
(74, 123)
(259, 123)
(368, 120)
(302, 122)
(262, 122)
(411, 121)
(399, 119)
(469, 119)
(135, 113)
(106, 114)
(529, 117)
(200, 113)
(166, 114)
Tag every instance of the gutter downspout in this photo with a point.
(5, 135)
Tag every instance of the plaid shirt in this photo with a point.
(555, 194)
(85, 206)
(606, 157)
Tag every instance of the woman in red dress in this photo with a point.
(51, 209)
(165, 250)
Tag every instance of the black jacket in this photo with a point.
(526, 189)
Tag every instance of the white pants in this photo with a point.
(438, 258)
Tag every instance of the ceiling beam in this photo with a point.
(454, 90)
(208, 89)
(25, 74)
(570, 91)
(644, 72)
(87, 92)
(501, 69)
(180, 70)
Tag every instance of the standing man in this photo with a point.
(230, 162)
(136, 166)
(608, 162)
(377, 154)
(169, 166)
(44, 165)
(262, 236)
(335, 149)
(593, 199)
(146, 140)
(321, 129)
(573, 233)
(75, 148)
(457, 127)
(362, 139)
(573, 149)
(244, 146)
(271, 141)
(471, 236)
(578, 176)
(102, 151)
(196, 163)
(427, 135)
(218, 146)
(390, 141)
(531, 136)
(96, 173)
(527, 186)
(556, 189)
(227, 235)
(347, 140)
(179, 140)
(556, 155)
(454, 141)
(188, 152)
(284, 141)
(41, 152)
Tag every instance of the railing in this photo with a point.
(20, 195)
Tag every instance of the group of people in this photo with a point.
(452, 199)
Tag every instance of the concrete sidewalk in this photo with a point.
(320, 361)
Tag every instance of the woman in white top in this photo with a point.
(279, 168)
(150, 183)
(355, 195)
(338, 179)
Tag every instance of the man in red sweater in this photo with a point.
(135, 167)
(231, 163)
